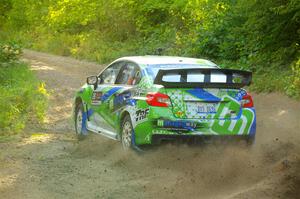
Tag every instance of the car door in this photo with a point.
(129, 76)
(101, 119)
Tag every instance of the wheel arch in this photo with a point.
(78, 100)
(123, 115)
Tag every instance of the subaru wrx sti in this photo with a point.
(147, 99)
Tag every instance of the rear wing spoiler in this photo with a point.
(208, 78)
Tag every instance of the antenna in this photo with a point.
(159, 51)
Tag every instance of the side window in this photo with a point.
(130, 75)
(109, 75)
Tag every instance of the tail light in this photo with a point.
(158, 99)
(247, 101)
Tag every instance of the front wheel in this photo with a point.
(80, 122)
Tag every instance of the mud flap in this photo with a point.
(84, 130)
(133, 144)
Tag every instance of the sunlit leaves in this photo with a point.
(67, 14)
(258, 35)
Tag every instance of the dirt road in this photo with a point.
(51, 163)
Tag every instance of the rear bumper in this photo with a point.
(152, 131)
(183, 138)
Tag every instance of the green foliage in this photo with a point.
(21, 99)
(293, 89)
(9, 52)
(258, 32)
(261, 36)
(22, 96)
(5, 6)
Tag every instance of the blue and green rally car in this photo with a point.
(147, 99)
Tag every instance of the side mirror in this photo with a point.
(92, 80)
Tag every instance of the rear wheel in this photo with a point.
(127, 133)
(80, 122)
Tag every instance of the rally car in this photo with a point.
(144, 100)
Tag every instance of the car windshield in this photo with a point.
(152, 70)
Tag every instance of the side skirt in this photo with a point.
(101, 131)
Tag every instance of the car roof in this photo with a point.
(152, 59)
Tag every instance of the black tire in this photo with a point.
(78, 122)
(127, 133)
(128, 141)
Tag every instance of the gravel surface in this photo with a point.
(51, 163)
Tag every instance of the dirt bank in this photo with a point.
(51, 163)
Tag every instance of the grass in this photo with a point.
(271, 81)
(7, 138)
(22, 98)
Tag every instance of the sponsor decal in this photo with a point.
(177, 125)
(141, 114)
(96, 97)
(241, 125)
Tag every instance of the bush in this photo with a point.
(22, 96)
(9, 52)
(293, 89)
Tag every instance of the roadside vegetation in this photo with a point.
(261, 36)
(22, 96)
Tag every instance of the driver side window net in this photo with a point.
(129, 75)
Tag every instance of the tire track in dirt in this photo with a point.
(54, 164)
